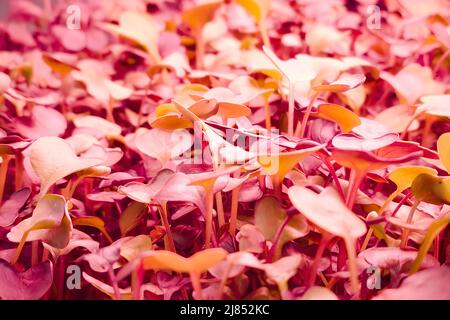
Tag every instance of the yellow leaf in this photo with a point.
(135, 246)
(345, 118)
(196, 17)
(197, 263)
(278, 165)
(92, 221)
(403, 177)
(257, 8)
(434, 229)
(140, 28)
(131, 217)
(58, 66)
(443, 147)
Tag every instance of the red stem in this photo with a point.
(315, 266)
(276, 240)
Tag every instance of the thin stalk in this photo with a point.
(405, 131)
(199, 49)
(267, 114)
(274, 250)
(45, 254)
(73, 187)
(319, 253)
(263, 31)
(18, 177)
(277, 187)
(402, 202)
(440, 61)
(323, 278)
(234, 210)
(367, 239)
(109, 110)
(437, 246)
(20, 247)
(234, 206)
(335, 178)
(426, 131)
(306, 115)
(3, 173)
(331, 283)
(223, 281)
(355, 180)
(380, 212)
(170, 244)
(136, 282)
(352, 267)
(291, 109)
(405, 232)
(115, 285)
(209, 217)
(342, 255)
(284, 290)
(195, 279)
(220, 211)
(34, 252)
(60, 276)
(433, 230)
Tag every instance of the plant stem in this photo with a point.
(291, 109)
(60, 276)
(380, 212)
(34, 252)
(405, 131)
(223, 281)
(352, 267)
(440, 61)
(136, 282)
(115, 285)
(277, 186)
(437, 246)
(234, 206)
(20, 247)
(109, 110)
(355, 180)
(426, 131)
(199, 49)
(219, 206)
(234, 210)
(405, 232)
(306, 116)
(267, 114)
(433, 230)
(162, 209)
(263, 31)
(335, 178)
(195, 279)
(209, 217)
(319, 253)
(45, 254)
(18, 177)
(275, 250)
(3, 173)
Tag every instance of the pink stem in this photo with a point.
(315, 266)
(335, 178)
(276, 240)
(306, 116)
(355, 180)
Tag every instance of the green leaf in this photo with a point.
(269, 216)
(435, 228)
(131, 217)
